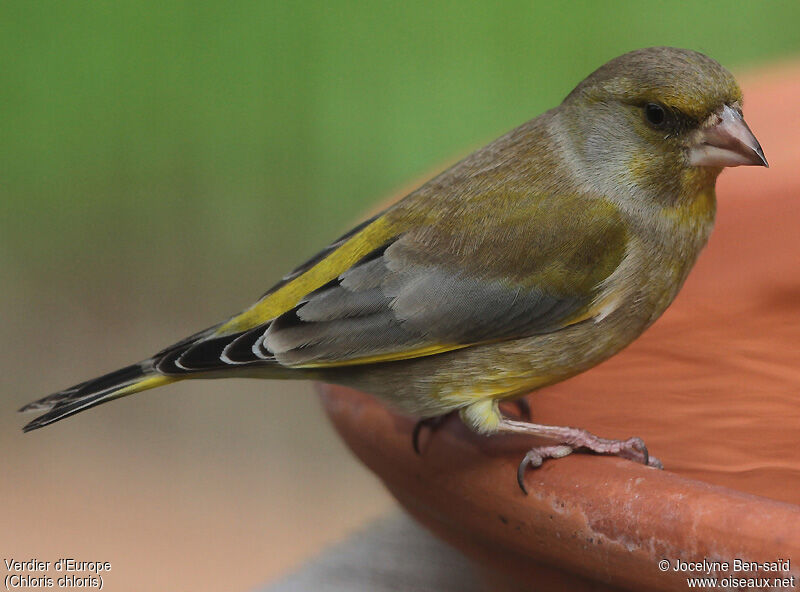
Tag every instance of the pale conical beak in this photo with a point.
(726, 141)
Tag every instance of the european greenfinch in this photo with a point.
(529, 261)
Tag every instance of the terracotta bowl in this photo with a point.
(713, 389)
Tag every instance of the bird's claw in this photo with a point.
(535, 457)
(430, 422)
(635, 449)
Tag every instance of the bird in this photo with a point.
(529, 261)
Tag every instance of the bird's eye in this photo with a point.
(656, 114)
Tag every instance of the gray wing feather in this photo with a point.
(393, 303)
(342, 303)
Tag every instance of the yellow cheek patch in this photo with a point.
(286, 297)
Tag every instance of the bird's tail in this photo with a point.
(120, 383)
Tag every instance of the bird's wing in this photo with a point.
(408, 283)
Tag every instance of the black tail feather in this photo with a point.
(101, 383)
(66, 409)
(84, 395)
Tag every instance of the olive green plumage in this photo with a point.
(531, 260)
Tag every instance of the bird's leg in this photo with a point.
(523, 410)
(432, 423)
(484, 417)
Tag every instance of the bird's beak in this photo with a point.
(726, 141)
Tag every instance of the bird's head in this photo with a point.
(659, 117)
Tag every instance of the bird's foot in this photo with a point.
(569, 440)
(632, 449)
(535, 457)
(432, 423)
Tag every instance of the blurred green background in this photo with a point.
(164, 162)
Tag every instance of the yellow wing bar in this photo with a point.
(288, 295)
